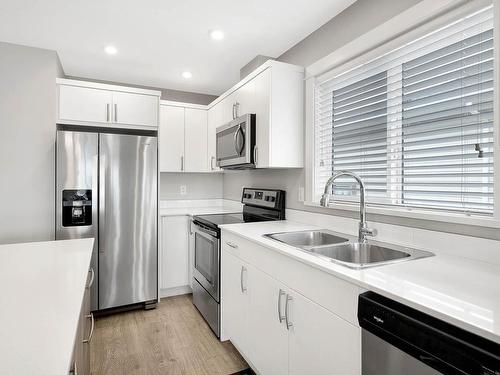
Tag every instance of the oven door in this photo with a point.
(235, 143)
(206, 259)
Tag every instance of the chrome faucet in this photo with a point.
(364, 231)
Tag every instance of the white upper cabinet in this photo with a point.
(96, 104)
(171, 139)
(183, 138)
(274, 92)
(84, 103)
(214, 119)
(135, 109)
(195, 140)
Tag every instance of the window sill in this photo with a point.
(447, 217)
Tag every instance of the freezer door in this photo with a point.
(128, 253)
(76, 172)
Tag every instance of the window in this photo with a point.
(415, 123)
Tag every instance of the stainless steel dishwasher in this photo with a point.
(398, 340)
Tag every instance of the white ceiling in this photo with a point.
(159, 39)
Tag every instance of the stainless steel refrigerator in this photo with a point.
(107, 188)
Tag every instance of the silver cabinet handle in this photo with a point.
(236, 107)
(91, 270)
(116, 112)
(107, 112)
(233, 112)
(102, 201)
(182, 163)
(90, 316)
(230, 244)
(243, 288)
(212, 159)
(74, 369)
(280, 317)
(287, 317)
(255, 155)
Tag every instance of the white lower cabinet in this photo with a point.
(268, 337)
(174, 263)
(80, 364)
(319, 341)
(235, 291)
(278, 330)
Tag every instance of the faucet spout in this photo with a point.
(364, 231)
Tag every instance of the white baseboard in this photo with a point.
(177, 291)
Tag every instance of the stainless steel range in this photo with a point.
(259, 205)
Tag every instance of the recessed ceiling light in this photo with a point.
(110, 50)
(187, 74)
(217, 34)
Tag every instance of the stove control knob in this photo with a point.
(270, 198)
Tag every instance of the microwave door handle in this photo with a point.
(242, 143)
(236, 140)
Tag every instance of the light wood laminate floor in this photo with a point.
(171, 339)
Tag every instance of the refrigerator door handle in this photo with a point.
(102, 202)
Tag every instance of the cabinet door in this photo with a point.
(227, 108)
(191, 253)
(84, 104)
(171, 136)
(87, 319)
(244, 99)
(135, 109)
(235, 300)
(214, 121)
(195, 151)
(320, 342)
(174, 252)
(262, 117)
(267, 333)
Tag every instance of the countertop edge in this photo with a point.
(315, 263)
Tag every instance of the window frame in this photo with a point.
(417, 21)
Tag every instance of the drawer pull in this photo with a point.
(90, 316)
(230, 244)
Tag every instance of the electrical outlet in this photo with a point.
(183, 189)
(301, 194)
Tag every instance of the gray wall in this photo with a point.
(354, 21)
(166, 94)
(27, 136)
(198, 185)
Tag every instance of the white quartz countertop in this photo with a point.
(41, 287)
(460, 291)
(198, 207)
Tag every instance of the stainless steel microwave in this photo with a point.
(235, 143)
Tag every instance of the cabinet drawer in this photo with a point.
(331, 292)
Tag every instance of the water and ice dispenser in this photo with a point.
(76, 208)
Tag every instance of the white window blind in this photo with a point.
(416, 123)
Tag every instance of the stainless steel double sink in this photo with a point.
(346, 250)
